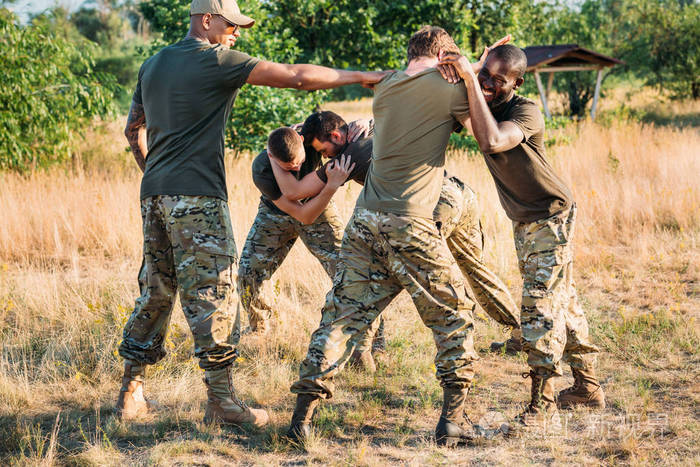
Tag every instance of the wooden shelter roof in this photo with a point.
(565, 55)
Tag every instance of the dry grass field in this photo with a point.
(70, 249)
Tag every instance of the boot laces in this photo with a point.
(232, 390)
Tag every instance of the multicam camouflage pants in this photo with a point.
(553, 324)
(188, 248)
(381, 255)
(456, 216)
(271, 237)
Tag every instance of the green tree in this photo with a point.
(48, 93)
(113, 26)
(258, 110)
(663, 44)
(562, 23)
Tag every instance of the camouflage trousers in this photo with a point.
(188, 248)
(269, 240)
(381, 255)
(554, 326)
(457, 219)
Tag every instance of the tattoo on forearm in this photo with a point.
(134, 123)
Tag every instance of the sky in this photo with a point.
(23, 8)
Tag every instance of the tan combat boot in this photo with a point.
(300, 426)
(586, 391)
(510, 347)
(131, 403)
(449, 430)
(364, 360)
(222, 404)
(542, 408)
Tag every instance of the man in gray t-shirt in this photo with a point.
(183, 98)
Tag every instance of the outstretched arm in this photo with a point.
(491, 135)
(135, 132)
(309, 77)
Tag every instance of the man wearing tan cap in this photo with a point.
(183, 98)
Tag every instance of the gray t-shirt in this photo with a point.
(187, 91)
(528, 188)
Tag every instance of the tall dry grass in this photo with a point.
(629, 181)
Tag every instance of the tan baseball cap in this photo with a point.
(226, 8)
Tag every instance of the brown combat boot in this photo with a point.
(364, 360)
(542, 408)
(449, 431)
(131, 403)
(585, 392)
(300, 426)
(222, 404)
(511, 346)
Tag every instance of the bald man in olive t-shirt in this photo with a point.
(176, 129)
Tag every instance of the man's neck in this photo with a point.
(199, 35)
(419, 64)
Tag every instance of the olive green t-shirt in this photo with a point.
(414, 116)
(187, 91)
(527, 186)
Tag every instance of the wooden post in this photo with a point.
(540, 88)
(549, 84)
(596, 93)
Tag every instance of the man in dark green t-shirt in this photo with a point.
(510, 133)
(279, 222)
(183, 98)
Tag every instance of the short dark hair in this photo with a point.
(319, 125)
(512, 56)
(283, 143)
(428, 41)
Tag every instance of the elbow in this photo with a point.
(488, 146)
(307, 220)
(292, 195)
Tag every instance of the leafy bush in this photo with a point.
(48, 94)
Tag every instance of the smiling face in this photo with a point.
(498, 81)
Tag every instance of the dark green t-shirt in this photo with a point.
(187, 91)
(360, 153)
(264, 177)
(527, 186)
(414, 116)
